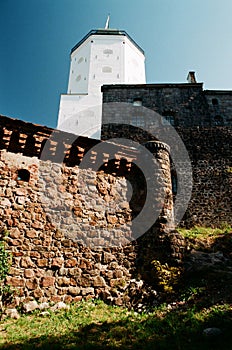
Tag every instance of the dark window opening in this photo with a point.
(169, 118)
(137, 102)
(218, 120)
(214, 101)
(174, 182)
(23, 175)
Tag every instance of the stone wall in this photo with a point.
(209, 150)
(208, 143)
(187, 105)
(71, 228)
(220, 106)
(49, 262)
(210, 153)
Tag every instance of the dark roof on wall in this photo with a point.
(151, 86)
(165, 86)
(218, 92)
(106, 32)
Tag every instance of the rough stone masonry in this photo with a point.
(70, 229)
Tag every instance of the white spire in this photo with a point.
(107, 22)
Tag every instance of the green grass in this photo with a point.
(203, 232)
(95, 325)
(209, 239)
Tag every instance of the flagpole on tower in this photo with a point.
(107, 22)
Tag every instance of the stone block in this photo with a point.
(118, 274)
(60, 305)
(70, 262)
(26, 262)
(85, 281)
(12, 313)
(29, 273)
(56, 298)
(15, 242)
(44, 306)
(30, 306)
(15, 281)
(74, 291)
(85, 291)
(38, 293)
(15, 272)
(37, 225)
(39, 272)
(21, 191)
(49, 292)
(108, 257)
(77, 298)
(48, 281)
(99, 281)
(31, 233)
(15, 233)
(63, 281)
(57, 262)
(42, 262)
(68, 299)
(31, 284)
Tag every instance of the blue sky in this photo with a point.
(176, 35)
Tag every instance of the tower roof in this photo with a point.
(106, 32)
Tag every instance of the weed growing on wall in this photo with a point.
(167, 277)
(5, 262)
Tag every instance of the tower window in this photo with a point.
(106, 69)
(108, 52)
(168, 118)
(78, 78)
(218, 120)
(137, 102)
(214, 101)
(81, 59)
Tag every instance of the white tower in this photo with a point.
(103, 56)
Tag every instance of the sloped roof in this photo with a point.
(106, 32)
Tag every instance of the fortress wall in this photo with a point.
(209, 150)
(70, 228)
(203, 121)
(210, 153)
(56, 255)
